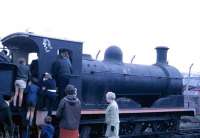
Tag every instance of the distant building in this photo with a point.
(192, 96)
(194, 80)
(194, 84)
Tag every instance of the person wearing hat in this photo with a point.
(61, 71)
(112, 116)
(69, 112)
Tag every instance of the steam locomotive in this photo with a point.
(149, 96)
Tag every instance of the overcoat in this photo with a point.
(112, 119)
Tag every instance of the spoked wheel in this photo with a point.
(166, 126)
(138, 127)
(173, 125)
(147, 128)
(159, 126)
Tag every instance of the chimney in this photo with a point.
(161, 55)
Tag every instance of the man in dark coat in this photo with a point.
(34, 69)
(61, 71)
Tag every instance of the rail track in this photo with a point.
(182, 133)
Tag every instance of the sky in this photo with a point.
(136, 26)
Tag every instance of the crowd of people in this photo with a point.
(50, 87)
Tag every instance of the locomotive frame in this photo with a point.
(161, 118)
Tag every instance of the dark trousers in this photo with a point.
(50, 99)
(6, 120)
(62, 83)
(41, 103)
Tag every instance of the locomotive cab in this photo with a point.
(44, 50)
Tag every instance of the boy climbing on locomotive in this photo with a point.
(21, 81)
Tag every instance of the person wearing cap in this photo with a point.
(49, 87)
(112, 116)
(61, 71)
(69, 112)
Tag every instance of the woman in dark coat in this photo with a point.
(69, 112)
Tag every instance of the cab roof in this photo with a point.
(27, 40)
